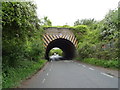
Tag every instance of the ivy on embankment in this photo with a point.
(22, 45)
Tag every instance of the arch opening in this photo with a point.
(65, 45)
(56, 54)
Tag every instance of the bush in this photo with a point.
(81, 29)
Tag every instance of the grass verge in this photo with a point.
(114, 64)
(16, 75)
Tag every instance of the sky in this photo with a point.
(62, 12)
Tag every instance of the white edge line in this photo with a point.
(91, 68)
(83, 65)
(106, 75)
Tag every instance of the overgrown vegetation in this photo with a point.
(98, 43)
(23, 48)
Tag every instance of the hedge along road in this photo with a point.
(70, 74)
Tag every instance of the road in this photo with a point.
(70, 74)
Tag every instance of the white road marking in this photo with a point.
(106, 74)
(47, 74)
(51, 65)
(91, 68)
(83, 65)
(43, 80)
(50, 69)
(66, 61)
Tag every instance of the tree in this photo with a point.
(46, 22)
(21, 33)
(109, 26)
(91, 23)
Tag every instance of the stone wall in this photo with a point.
(58, 31)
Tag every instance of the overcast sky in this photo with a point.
(62, 12)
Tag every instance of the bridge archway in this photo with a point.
(65, 45)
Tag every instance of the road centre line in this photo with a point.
(67, 61)
(43, 80)
(106, 74)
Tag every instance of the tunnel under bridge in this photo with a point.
(62, 38)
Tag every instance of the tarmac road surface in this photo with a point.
(70, 74)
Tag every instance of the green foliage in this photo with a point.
(21, 33)
(15, 76)
(85, 51)
(21, 40)
(19, 15)
(118, 44)
(45, 21)
(92, 23)
(57, 51)
(109, 26)
(104, 63)
(101, 38)
(80, 31)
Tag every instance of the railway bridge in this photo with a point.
(62, 38)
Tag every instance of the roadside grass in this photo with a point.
(15, 76)
(0, 81)
(113, 64)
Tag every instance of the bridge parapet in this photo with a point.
(58, 31)
(52, 33)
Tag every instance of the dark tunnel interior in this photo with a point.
(65, 45)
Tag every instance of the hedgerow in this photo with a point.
(22, 43)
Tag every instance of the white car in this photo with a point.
(55, 57)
